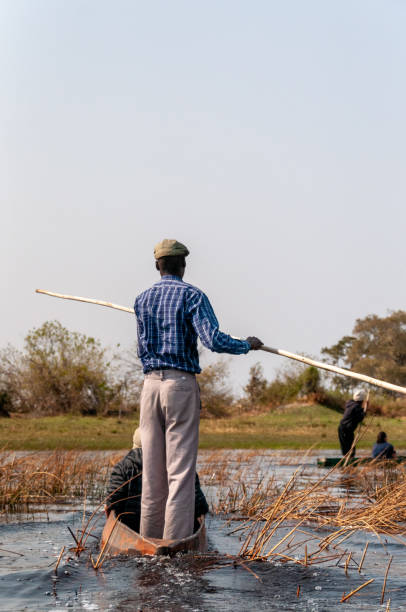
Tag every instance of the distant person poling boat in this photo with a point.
(354, 413)
(382, 449)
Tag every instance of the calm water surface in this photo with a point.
(186, 582)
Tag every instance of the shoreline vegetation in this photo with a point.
(64, 390)
(61, 372)
(294, 426)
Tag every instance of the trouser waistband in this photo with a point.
(169, 374)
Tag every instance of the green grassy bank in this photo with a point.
(297, 427)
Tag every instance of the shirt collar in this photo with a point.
(170, 277)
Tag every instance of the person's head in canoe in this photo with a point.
(137, 439)
(381, 438)
(170, 258)
(358, 395)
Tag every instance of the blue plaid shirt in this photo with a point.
(170, 316)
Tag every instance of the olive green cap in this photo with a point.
(168, 248)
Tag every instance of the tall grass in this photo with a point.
(51, 477)
(342, 501)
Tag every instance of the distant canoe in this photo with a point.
(118, 538)
(327, 462)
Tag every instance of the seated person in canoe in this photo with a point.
(354, 413)
(127, 497)
(382, 448)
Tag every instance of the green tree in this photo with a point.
(255, 389)
(14, 380)
(289, 384)
(130, 377)
(310, 380)
(377, 347)
(58, 372)
(215, 395)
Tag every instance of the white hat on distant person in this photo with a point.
(137, 438)
(358, 395)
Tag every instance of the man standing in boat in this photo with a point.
(354, 413)
(171, 315)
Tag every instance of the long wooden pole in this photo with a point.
(83, 299)
(331, 368)
(317, 364)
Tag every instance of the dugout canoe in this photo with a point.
(328, 462)
(118, 538)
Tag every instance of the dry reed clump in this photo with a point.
(215, 468)
(40, 478)
(308, 520)
(233, 480)
(369, 495)
(221, 468)
(373, 479)
(244, 500)
(324, 504)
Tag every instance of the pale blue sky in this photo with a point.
(267, 136)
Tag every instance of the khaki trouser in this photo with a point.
(169, 424)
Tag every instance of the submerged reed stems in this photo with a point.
(384, 581)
